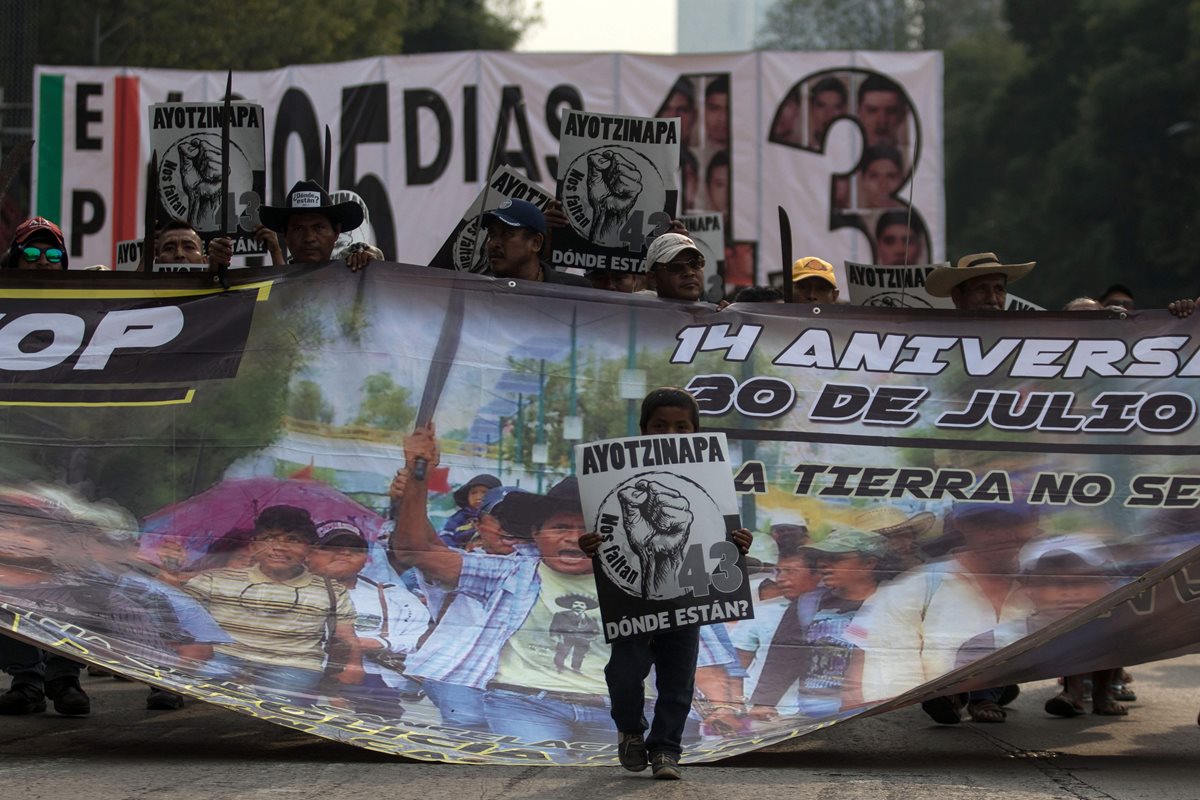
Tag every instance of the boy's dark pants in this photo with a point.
(673, 656)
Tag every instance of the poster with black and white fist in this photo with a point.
(657, 519)
(663, 507)
(617, 183)
(187, 138)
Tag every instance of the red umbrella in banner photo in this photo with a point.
(218, 522)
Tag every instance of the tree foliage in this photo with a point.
(266, 34)
(307, 402)
(385, 405)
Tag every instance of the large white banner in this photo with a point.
(836, 138)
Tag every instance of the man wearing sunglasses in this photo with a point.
(38, 244)
(675, 267)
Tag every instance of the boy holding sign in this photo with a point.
(672, 646)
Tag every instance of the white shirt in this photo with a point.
(911, 629)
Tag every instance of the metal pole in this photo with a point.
(631, 414)
(748, 502)
(573, 402)
(541, 420)
(500, 448)
(519, 454)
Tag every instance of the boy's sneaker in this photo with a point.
(68, 696)
(22, 698)
(631, 750)
(665, 767)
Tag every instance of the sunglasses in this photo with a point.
(53, 254)
(676, 267)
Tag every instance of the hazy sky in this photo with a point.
(638, 26)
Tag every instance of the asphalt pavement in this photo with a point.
(125, 751)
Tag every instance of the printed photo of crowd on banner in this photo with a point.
(541, 496)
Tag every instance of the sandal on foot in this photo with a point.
(1109, 708)
(986, 711)
(1061, 705)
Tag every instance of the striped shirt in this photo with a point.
(469, 654)
(282, 623)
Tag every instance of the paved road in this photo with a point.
(124, 751)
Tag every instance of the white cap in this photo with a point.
(668, 245)
(1087, 548)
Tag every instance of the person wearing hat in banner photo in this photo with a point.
(810, 644)
(448, 686)
(37, 244)
(915, 624)
(901, 530)
(813, 281)
(289, 626)
(508, 655)
(389, 620)
(1061, 574)
(794, 575)
(460, 527)
(310, 223)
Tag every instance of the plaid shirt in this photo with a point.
(506, 587)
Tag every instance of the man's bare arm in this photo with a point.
(414, 541)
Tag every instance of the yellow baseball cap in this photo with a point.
(813, 267)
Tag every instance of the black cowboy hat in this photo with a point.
(308, 197)
(522, 513)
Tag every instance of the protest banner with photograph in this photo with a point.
(463, 249)
(887, 446)
(187, 139)
(617, 186)
(708, 232)
(664, 507)
(892, 287)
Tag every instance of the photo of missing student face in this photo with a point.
(889, 133)
(741, 265)
(900, 238)
(702, 103)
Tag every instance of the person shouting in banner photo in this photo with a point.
(671, 653)
(533, 677)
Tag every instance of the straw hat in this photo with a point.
(943, 279)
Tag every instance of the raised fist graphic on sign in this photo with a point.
(657, 520)
(613, 187)
(200, 173)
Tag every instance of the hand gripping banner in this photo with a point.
(211, 492)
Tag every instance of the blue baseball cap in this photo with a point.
(494, 497)
(518, 214)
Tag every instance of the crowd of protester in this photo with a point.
(489, 620)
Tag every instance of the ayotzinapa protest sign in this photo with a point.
(664, 507)
(187, 138)
(892, 286)
(617, 185)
